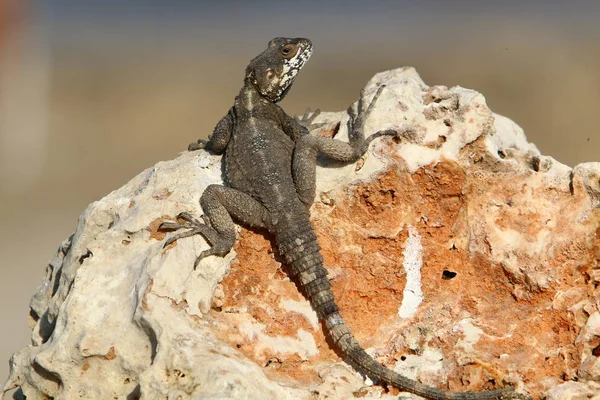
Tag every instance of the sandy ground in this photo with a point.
(79, 122)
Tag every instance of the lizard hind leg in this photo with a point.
(220, 205)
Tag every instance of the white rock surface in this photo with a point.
(120, 317)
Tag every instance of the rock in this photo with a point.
(574, 391)
(459, 255)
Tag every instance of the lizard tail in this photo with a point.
(302, 254)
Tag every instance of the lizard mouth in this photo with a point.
(305, 54)
(294, 64)
(308, 50)
(291, 68)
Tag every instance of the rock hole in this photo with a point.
(46, 326)
(501, 154)
(447, 274)
(19, 395)
(596, 351)
(33, 315)
(571, 187)
(46, 374)
(126, 381)
(403, 358)
(362, 392)
(115, 219)
(336, 129)
(273, 363)
(239, 345)
(136, 394)
(88, 254)
(535, 164)
(56, 281)
(152, 339)
(178, 373)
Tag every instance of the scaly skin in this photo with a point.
(270, 162)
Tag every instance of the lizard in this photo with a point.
(269, 169)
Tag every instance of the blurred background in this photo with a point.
(94, 92)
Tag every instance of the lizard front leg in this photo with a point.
(219, 204)
(307, 147)
(220, 136)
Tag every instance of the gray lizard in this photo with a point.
(270, 163)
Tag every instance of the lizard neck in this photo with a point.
(250, 98)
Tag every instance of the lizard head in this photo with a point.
(273, 71)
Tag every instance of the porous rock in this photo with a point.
(459, 255)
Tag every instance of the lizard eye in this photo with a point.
(288, 51)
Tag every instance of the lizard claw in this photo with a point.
(203, 255)
(189, 222)
(197, 145)
(307, 119)
(357, 118)
(220, 245)
(219, 249)
(190, 233)
(361, 112)
(187, 217)
(309, 116)
(169, 226)
(374, 100)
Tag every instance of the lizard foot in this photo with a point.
(356, 123)
(197, 145)
(195, 227)
(307, 120)
(220, 245)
